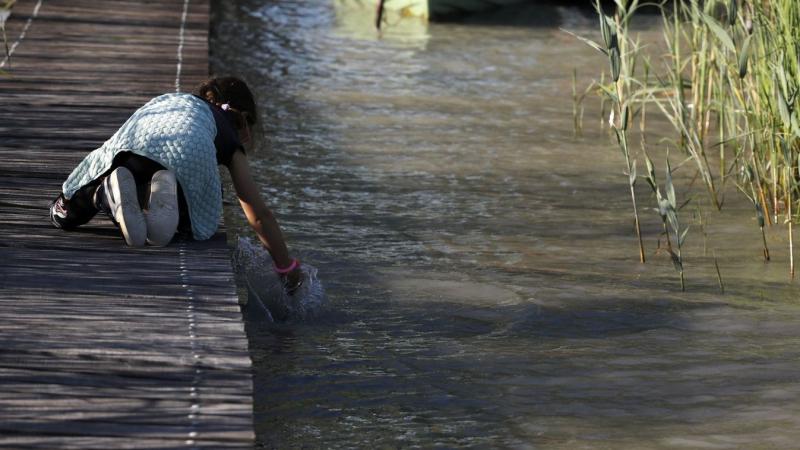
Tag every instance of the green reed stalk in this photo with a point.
(668, 210)
(577, 104)
(748, 176)
(622, 61)
(603, 99)
(575, 126)
(790, 221)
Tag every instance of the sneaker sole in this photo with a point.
(124, 204)
(162, 213)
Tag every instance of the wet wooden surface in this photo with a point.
(101, 345)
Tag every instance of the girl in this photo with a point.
(158, 173)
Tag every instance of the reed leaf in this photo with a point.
(732, 12)
(610, 93)
(783, 107)
(586, 41)
(672, 219)
(626, 110)
(682, 238)
(720, 32)
(651, 174)
(670, 188)
(744, 54)
(615, 61)
(662, 204)
(605, 29)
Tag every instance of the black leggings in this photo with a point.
(82, 206)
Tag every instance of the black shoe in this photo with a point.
(58, 212)
(99, 199)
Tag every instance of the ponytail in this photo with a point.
(232, 95)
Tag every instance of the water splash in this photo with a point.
(253, 264)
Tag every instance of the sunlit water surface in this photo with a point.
(480, 269)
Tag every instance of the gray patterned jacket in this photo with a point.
(177, 131)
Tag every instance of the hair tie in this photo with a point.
(225, 106)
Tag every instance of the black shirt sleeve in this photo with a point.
(227, 139)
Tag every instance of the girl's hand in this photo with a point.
(292, 276)
(292, 281)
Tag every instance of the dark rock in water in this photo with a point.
(530, 13)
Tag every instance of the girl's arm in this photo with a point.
(258, 214)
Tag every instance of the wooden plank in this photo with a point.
(101, 345)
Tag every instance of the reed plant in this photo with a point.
(729, 84)
(577, 105)
(734, 78)
(623, 54)
(674, 233)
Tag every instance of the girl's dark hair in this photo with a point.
(234, 92)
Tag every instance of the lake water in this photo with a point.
(481, 270)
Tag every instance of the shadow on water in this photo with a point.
(535, 13)
(523, 374)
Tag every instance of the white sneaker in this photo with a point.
(122, 200)
(162, 213)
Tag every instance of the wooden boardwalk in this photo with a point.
(104, 346)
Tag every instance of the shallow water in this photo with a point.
(482, 278)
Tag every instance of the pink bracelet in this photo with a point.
(294, 265)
